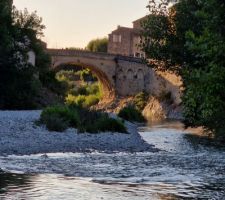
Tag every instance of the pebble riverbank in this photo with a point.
(20, 136)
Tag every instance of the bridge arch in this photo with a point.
(107, 86)
(119, 75)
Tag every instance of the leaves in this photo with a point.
(193, 39)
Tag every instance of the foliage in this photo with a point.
(55, 122)
(164, 34)
(31, 26)
(204, 99)
(86, 75)
(63, 113)
(193, 45)
(94, 122)
(85, 95)
(98, 45)
(79, 91)
(130, 113)
(87, 89)
(18, 83)
(76, 81)
(82, 100)
(140, 101)
(49, 80)
(59, 118)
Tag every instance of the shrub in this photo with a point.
(109, 124)
(94, 88)
(59, 118)
(140, 100)
(55, 122)
(82, 90)
(94, 122)
(90, 101)
(72, 100)
(130, 113)
(62, 112)
(81, 100)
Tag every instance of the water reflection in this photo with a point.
(187, 167)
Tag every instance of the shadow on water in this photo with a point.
(9, 181)
(197, 140)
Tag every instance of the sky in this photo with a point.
(73, 23)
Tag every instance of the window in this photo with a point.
(117, 38)
(137, 55)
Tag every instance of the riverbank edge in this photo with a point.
(20, 136)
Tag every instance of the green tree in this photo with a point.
(20, 32)
(188, 39)
(164, 33)
(98, 45)
(17, 85)
(204, 77)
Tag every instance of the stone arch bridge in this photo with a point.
(119, 75)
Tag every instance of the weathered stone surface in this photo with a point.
(119, 74)
(125, 41)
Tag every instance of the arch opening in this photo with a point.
(107, 88)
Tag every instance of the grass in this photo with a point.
(59, 118)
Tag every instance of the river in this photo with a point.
(186, 167)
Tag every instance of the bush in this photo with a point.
(90, 101)
(64, 113)
(109, 124)
(140, 100)
(81, 100)
(130, 113)
(55, 122)
(94, 88)
(59, 118)
(94, 122)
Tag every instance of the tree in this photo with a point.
(16, 82)
(204, 78)
(98, 45)
(189, 39)
(164, 33)
(19, 33)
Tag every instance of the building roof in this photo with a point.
(126, 29)
(141, 19)
(134, 30)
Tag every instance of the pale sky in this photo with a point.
(73, 23)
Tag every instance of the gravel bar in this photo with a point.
(20, 136)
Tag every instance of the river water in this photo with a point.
(187, 167)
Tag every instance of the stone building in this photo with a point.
(125, 41)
